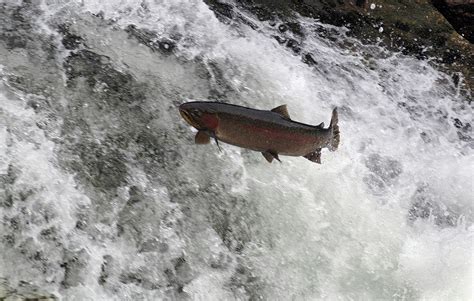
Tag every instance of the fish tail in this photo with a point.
(334, 128)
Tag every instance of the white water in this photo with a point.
(245, 228)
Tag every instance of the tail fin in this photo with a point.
(334, 128)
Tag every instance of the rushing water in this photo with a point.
(103, 194)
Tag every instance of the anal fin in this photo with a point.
(270, 155)
(314, 156)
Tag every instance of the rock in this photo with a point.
(426, 204)
(70, 41)
(23, 291)
(460, 13)
(74, 264)
(151, 40)
(415, 28)
(106, 269)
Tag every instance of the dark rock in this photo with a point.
(460, 13)
(8, 239)
(308, 59)
(74, 264)
(413, 27)
(282, 28)
(7, 201)
(139, 277)
(118, 87)
(295, 28)
(167, 45)
(280, 40)
(24, 291)
(262, 13)
(223, 11)
(151, 40)
(70, 41)
(12, 173)
(103, 167)
(136, 195)
(180, 275)
(293, 45)
(14, 22)
(50, 234)
(105, 269)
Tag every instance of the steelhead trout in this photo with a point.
(272, 133)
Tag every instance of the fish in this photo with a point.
(271, 132)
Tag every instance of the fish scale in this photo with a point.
(271, 132)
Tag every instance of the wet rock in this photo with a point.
(245, 282)
(135, 195)
(415, 28)
(151, 39)
(49, 234)
(140, 277)
(262, 12)
(115, 87)
(14, 22)
(223, 11)
(386, 168)
(153, 245)
(460, 13)
(222, 261)
(106, 269)
(7, 200)
(225, 218)
(23, 291)
(293, 45)
(8, 239)
(464, 129)
(70, 41)
(280, 40)
(74, 264)
(32, 251)
(101, 166)
(427, 205)
(183, 271)
(180, 275)
(294, 27)
(12, 173)
(6, 182)
(308, 59)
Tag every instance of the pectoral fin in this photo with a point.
(270, 155)
(213, 135)
(314, 156)
(202, 138)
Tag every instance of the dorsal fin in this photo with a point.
(282, 110)
(321, 125)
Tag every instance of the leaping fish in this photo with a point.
(272, 132)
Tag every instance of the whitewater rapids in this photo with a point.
(104, 196)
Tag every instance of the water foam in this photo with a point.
(346, 228)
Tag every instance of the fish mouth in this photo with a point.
(187, 117)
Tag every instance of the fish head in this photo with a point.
(200, 115)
